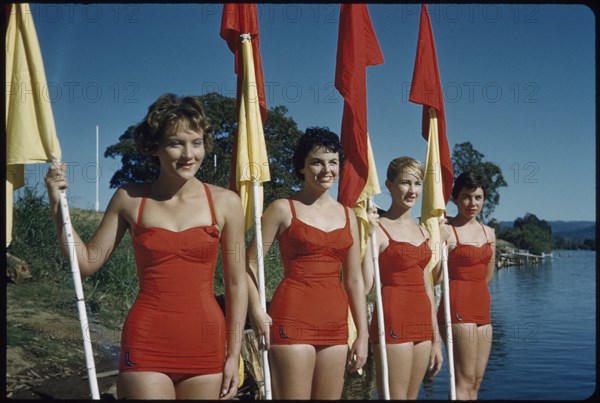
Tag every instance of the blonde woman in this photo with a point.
(411, 333)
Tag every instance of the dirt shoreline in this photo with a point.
(45, 357)
(44, 353)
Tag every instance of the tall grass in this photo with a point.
(111, 291)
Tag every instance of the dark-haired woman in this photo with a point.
(306, 328)
(471, 251)
(175, 343)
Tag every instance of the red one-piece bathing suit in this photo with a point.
(175, 324)
(469, 293)
(310, 306)
(406, 305)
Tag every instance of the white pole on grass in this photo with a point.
(380, 318)
(448, 322)
(85, 330)
(261, 283)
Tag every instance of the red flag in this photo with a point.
(357, 49)
(237, 19)
(426, 89)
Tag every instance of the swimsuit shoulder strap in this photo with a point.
(143, 203)
(210, 204)
(455, 234)
(292, 208)
(484, 233)
(385, 231)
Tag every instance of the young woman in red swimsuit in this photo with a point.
(413, 342)
(175, 343)
(306, 327)
(471, 252)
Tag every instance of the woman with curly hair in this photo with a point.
(175, 343)
(306, 328)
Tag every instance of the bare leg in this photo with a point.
(465, 342)
(144, 385)
(328, 378)
(484, 347)
(400, 358)
(421, 354)
(200, 387)
(292, 368)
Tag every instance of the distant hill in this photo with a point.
(584, 233)
(567, 229)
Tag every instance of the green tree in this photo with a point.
(561, 243)
(529, 233)
(281, 135)
(466, 158)
(589, 244)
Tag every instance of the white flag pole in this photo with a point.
(85, 330)
(97, 166)
(261, 283)
(380, 318)
(448, 322)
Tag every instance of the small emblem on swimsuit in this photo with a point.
(281, 334)
(392, 334)
(458, 317)
(131, 364)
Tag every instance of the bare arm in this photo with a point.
(367, 262)
(354, 284)
(368, 270)
(446, 237)
(93, 255)
(490, 269)
(236, 297)
(273, 217)
(436, 359)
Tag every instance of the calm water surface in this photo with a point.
(544, 320)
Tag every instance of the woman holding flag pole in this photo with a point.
(175, 343)
(306, 326)
(412, 338)
(471, 252)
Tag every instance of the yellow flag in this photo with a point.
(252, 162)
(433, 207)
(360, 208)
(30, 131)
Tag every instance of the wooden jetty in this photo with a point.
(519, 257)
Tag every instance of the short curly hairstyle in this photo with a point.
(467, 180)
(316, 137)
(168, 115)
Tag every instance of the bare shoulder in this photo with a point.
(279, 207)
(226, 203)
(133, 190)
(129, 195)
(127, 199)
(425, 230)
(490, 232)
(351, 214)
(220, 195)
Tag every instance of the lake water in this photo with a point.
(544, 320)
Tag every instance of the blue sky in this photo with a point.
(518, 81)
